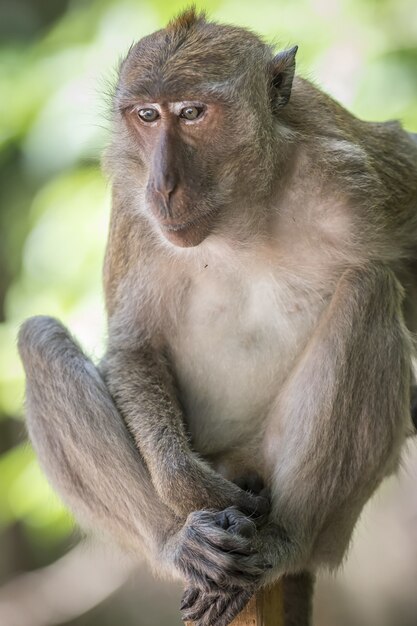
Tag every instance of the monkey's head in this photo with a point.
(196, 107)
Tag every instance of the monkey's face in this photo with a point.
(194, 107)
(197, 158)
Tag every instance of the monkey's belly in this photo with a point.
(233, 352)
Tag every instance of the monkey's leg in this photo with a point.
(335, 432)
(84, 447)
(81, 441)
(139, 380)
(344, 436)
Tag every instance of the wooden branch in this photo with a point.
(266, 608)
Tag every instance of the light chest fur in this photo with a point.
(242, 326)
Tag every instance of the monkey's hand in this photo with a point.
(215, 550)
(216, 555)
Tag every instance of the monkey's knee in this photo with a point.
(41, 340)
(60, 380)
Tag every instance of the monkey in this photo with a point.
(261, 303)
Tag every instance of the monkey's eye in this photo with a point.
(148, 115)
(191, 113)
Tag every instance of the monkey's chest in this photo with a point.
(233, 349)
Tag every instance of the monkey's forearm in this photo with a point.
(144, 394)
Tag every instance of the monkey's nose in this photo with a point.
(163, 198)
(165, 187)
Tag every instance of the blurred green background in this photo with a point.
(57, 65)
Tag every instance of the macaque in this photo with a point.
(261, 290)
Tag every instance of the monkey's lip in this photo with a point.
(185, 234)
(178, 226)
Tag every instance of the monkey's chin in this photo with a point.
(187, 236)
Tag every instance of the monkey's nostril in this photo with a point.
(166, 192)
(165, 186)
(164, 196)
(164, 202)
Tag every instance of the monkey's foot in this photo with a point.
(218, 607)
(216, 551)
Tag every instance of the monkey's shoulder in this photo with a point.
(370, 177)
(375, 157)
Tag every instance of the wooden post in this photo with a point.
(266, 608)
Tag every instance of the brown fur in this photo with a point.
(260, 295)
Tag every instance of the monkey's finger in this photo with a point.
(235, 522)
(189, 598)
(207, 606)
(199, 608)
(206, 527)
(230, 609)
(210, 557)
(255, 507)
(211, 570)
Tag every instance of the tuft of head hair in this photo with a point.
(187, 20)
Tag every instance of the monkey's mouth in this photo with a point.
(185, 234)
(175, 227)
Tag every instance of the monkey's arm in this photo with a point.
(139, 380)
(344, 435)
(138, 376)
(335, 431)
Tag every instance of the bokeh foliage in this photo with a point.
(57, 65)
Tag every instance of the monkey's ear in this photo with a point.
(283, 67)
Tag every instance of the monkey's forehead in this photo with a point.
(168, 64)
